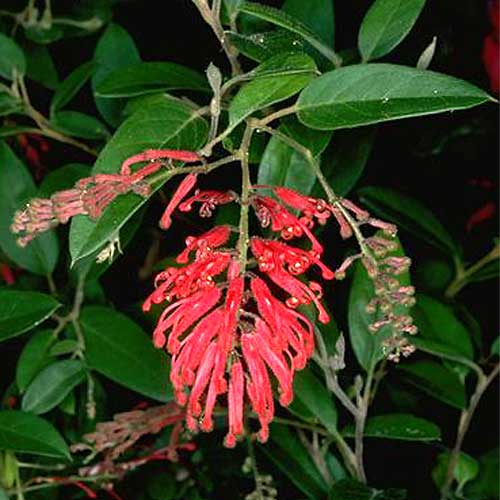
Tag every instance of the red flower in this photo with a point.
(209, 201)
(182, 191)
(491, 48)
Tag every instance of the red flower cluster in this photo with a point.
(229, 335)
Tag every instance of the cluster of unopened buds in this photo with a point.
(231, 322)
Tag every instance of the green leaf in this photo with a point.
(350, 489)
(296, 70)
(495, 347)
(22, 311)
(34, 357)
(78, 124)
(120, 350)
(62, 178)
(385, 24)
(281, 165)
(437, 381)
(10, 130)
(403, 426)
(69, 87)
(345, 159)
(52, 385)
(466, 469)
(366, 345)
(114, 50)
(16, 188)
(40, 66)
(290, 456)
(3, 494)
(485, 486)
(150, 77)
(162, 123)
(26, 433)
(10, 105)
(311, 392)
(290, 23)
(437, 322)
(12, 58)
(318, 15)
(371, 93)
(65, 346)
(409, 214)
(490, 271)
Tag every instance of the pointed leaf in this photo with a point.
(371, 93)
(22, 311)
(26, 433)
(40, 66)
(52, 385)
(466, 469)
(76, 124)
(159, 124)
(120, 350)
(385, 24)
(12, 58)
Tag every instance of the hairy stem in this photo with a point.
(255, 470)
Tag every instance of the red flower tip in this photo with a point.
(209, 201)
(182, 191)
(204, 243)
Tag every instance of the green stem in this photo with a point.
(255, 470)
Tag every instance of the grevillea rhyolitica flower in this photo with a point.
(231, 321)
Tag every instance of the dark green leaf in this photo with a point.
(52, 385)
(344, 160)
(288, 454)
(297, 70)
(120, 350)
(366, 345)
(485, 486)
(409, 214)
(68, 88)
(114, 50)
(161, 123)
(74, 123)
(281, 165)
(12, 60)
(385, 24)
(316, 14)
(438, 323)
(22, 311)
(40, 66)
(3, 495)
(350, 489)
(290, 23)
(42, 35)
(10, 105)
(466, 469)
(150, 77)
(371, 93)
(311, 392)
(16, 188)
(26, 433)
(403, 426)
(33, 358)
(434, 274)
(495, 347)
(62, 178)
(437, 381)
(65, 346)
(10, 130)
(162, 487)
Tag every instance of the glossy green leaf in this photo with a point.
(150, 77)
(485, 485)
(114, 50)
(16, 188)
(63, 178)
(344, 161)
(402, 426)
(437, 381)
(76, 124)
(26, 433)
(21, 311)
(312, 393)
(281, 165)
(437, 322)
(52, 385)
(120, 350)
(69, 87)
(290, 23)
(34, 357)
(290, 456)
(366, 345)
(40, 66)
(385, 24)
(408, 214)
(350, 489)
(318, 15)
(466, 469)
(12, 60)
(10, 105)
(371, 93)
(65, 346)
(297, 70)
(161, 123)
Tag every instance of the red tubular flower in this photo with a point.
(7, 274)
(203, 244)
(235, 404)
(209, 201)
(182, 191)
(159, 154)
